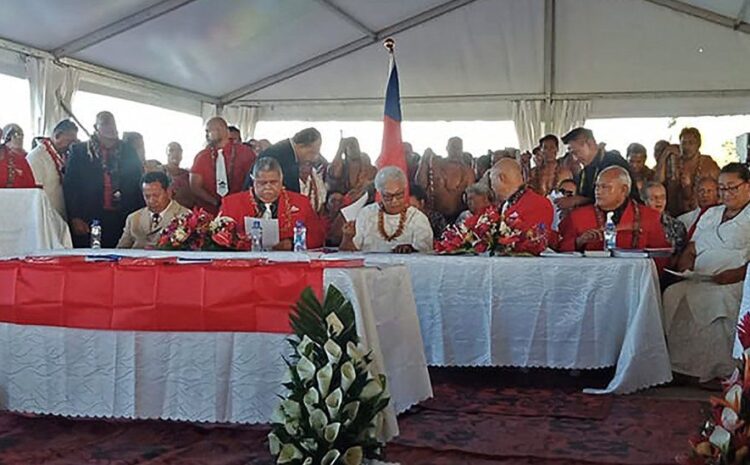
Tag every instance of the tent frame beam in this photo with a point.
(736, 24)
(118, 27)
(549, 47)
(347, 49)
(348, 17)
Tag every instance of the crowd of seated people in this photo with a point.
(570, 184)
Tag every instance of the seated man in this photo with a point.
(655, 196)
(478, 198)
(638, 227)
(707, 193)
(390, 225)
(143, 227)
(700, 316)
(269, 199)
(533, 210)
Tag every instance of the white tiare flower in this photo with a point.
(324, 376)
(333, 352)
(305, 369)
(333, 402)
(288, 454)
(335, 326)
(720, 438)
(729, 419)
(348, 375)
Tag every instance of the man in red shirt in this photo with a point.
(220, 168)
(269, 199)
(533, 210)
(638, 226)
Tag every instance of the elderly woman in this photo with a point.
(478, 198)
(700, 314)
(390, 225)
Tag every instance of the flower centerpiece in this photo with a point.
(725, 437)
(493, 233)
(334, 404)
(199, 230)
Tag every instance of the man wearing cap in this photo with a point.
(584, 148)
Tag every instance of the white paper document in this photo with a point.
(270, 230)
(350, 212)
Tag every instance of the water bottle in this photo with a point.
(610, 233)
(300, 236)
(256, 234)
(96, 235)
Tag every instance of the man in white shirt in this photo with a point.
(707, 192)
(390, 225)
(143, 227)
(47, 162)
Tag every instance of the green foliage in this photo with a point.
(334, 403)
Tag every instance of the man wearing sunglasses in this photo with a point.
(700, 314)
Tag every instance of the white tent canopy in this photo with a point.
(458, 59)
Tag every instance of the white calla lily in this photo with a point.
(330, 457)
(348, 375)
(291, 427)
(729, 419)
(353, 456)
(303, 349)
(289, 453)
(354, 352)
(278, 415)
(333, 402)
(333, 352)
(371, 389)
(309, 444)
(331, 432)
(311, 398)
(305, 369)
(334, 324)
(720, 438)
(274, 444)
(324, 376)
(350, 412)
(291, 408)
(308, 461)
(318, 420)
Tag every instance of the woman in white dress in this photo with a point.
(700, 314)
(390, 225)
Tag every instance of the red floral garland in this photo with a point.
(56, 158)
(11, 165)
(284, 213)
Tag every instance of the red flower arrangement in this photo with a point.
(492, 233)
(725, 437)
(199, 230)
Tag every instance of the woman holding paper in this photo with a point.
(700, 313)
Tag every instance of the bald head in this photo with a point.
(506, 178)
(612, 187)
(217, 131)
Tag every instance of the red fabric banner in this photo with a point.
(156, 295)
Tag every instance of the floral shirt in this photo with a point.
(675, 231)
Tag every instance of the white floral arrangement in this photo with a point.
(334, 406)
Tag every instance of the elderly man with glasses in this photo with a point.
(700, 313)
(390, 225)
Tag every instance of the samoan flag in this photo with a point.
(392, 151)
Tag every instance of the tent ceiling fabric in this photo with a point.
(468, 62)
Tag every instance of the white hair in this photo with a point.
(389, 173)
(622, 175)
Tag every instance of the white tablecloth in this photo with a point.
(28, 222)
(206, 377)
(541, 312)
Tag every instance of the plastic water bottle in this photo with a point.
(300, 236)
(256, 234)
(610, 233)
(96, 235)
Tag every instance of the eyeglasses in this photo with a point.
(731, 189)
(394, 196)
(566, 193)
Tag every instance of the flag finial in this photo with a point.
(389, 44)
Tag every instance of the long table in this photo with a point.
(574, 313)
(204, 376)
(29, 223)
